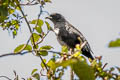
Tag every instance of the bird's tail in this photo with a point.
(87, 54)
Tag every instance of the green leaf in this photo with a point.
(36, 75)
(14, 32)
(115, 43)
(51, 64)
(11, 11)
(29, 79)
(39, 21)
(76, 54)
(48, 25)
(47, 1)
(38, 29)
(63, 63)
(33, 22)
(28, 47)
(33, 71)
(36, 37)
(43, 53)
(17, 26)
(3, 13)
(47, 47)
(82, 70)
(78, 47)
(118, 68)
(17, 8)
(64, 49)
(22, 47)
(13, 22)
(42, 65)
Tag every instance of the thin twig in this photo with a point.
(43, 37)
(31, 33)
(71, 71)
(5, 77)
(25, 45)
(22, 53)
(13, 54)
(39, 15)
(29, 4)
(105, 65)
(71, 74)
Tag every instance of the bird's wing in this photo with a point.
(71, 29)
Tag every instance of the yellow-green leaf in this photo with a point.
(14, 32)
(29, 79)
(43, 53)
(64, 49)
(11, 11)
(78, 47)
(3, 13)
(51, 64)
(38, 29)
(47, 1)
(36, 75)
(22, 47)
(39, 22)
(42, 65)
(48, 25)
(47, 47)
(33, 71)
(82, 70)
(115, 43)
(36, 37)
(76, 54)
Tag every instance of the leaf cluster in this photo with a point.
(55, 67)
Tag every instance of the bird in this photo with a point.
(68, 35)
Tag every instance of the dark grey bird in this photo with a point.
(68, 35)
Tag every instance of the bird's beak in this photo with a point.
(49, 17)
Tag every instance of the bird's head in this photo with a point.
(56, 17)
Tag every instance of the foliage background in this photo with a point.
(97, 20)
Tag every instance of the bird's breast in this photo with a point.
(56, 30)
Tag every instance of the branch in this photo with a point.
(43, 38)
(29, 4)
(39, 15)
(22, 53)
(5, 77)
(13, 54)
(104, 65)
(34, 45)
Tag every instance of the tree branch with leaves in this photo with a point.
(11, 17)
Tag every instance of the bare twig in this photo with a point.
(71, 74)
(43, 37)
(29, 4)
(104, 65)
(25, 45)
(5, 77)
(39, 15)
(22, 53)
(13, 54)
